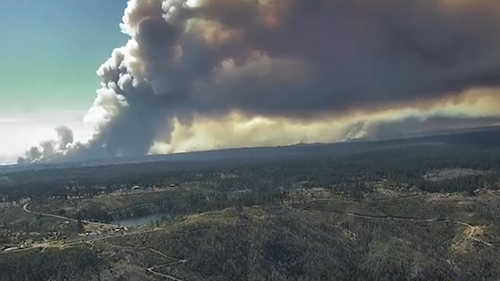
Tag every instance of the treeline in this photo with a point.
(403, 163)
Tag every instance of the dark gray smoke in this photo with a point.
(353, 55)
(298, 59)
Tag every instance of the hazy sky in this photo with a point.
(50, 52)
(239, 73)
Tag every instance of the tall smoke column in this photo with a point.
(139, 85)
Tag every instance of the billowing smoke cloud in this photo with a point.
(51, 149)
(65, 137)
(240, 132)
(293, 59)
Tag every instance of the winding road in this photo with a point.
(472, 228)
(92, 241)
(25, 208)
(153, 269)
(416, 219)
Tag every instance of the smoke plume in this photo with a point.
(415, 125)
(293, 59)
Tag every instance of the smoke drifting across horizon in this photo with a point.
(415, 125)
(302, 66)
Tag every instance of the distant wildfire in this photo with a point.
(225, 73)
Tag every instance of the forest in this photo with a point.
(391, 210)
(270, 243)
(406, 164)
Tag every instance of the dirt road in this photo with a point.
(472, 228)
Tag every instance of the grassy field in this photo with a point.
(108, 207)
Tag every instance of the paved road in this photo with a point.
(25, 208)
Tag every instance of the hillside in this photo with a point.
(395, 210)
(304, 241)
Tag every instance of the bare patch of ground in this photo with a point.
(446, 197)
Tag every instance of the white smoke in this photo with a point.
(51, 149)
(130, 79)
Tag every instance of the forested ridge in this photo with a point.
(407, 164)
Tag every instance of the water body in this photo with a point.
(138, 221)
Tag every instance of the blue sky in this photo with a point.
(50, 52)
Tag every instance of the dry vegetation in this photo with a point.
(446, 174)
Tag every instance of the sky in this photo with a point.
(214, 74)
(50, 53)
